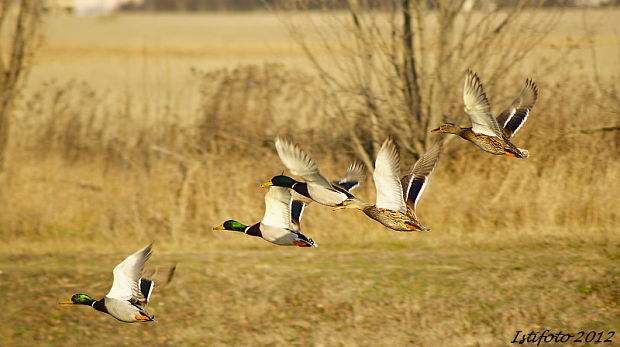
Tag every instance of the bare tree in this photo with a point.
(21, 19)
(396, 67)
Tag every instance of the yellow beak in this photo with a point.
(266, 184)
(436, 130)
(219, 227)
(66, 302)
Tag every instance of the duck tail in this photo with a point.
(524, 153)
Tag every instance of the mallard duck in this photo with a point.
(490, 134)
(397, 198)
(129, 293)
(277, 226)
(316, 187)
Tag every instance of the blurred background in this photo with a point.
(125, 122)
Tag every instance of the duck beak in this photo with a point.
(438, 130)
(219, 227)
(66, 302)
(266, 184)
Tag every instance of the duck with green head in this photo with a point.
(129, 293)
(315, 186)
(276, 226)
(493, 135)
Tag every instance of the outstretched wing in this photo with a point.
(513, 118)
(387, 183)
(160, 275)
(277, 207)
(415, 182)
(126, 285)
(355, 174)
(300, 164)
(297, 210)
(478, 108)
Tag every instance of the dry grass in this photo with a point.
(129, 144)
(285, 297)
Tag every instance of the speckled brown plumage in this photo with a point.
(397, 197)
(488, 133)
(492, 144)
(393, 219)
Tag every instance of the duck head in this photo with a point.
(79, 299)
(449, 128)
(352, 202)
(280, 181)
(231, 225)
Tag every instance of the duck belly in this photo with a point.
(326, 196)
(123, 311)
(391, 219)
(277, 235)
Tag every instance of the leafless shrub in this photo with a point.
(404, 60)
(21, 19)
(251, 104)
(132, 166)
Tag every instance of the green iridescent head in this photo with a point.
(79, 299)
(232, 225)
(280, 181)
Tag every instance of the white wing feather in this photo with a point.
(478, 108)
(300, 164)
(386, 177)
(277, 207)
(127, 276)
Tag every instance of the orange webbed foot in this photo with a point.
(141, 317)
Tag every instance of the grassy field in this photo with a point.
(322, 297)
(140, 128)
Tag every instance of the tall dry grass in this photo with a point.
(89, 165)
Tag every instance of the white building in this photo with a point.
(89, 7)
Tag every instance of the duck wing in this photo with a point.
(415, 182)
(355, 174)
(300, 164)
(297, 210)
(387, 183)
(513, 117)
(478, 108)
(127, 284)
(277, 208)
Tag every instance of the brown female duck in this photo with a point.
(490, 134)
(397, 198)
